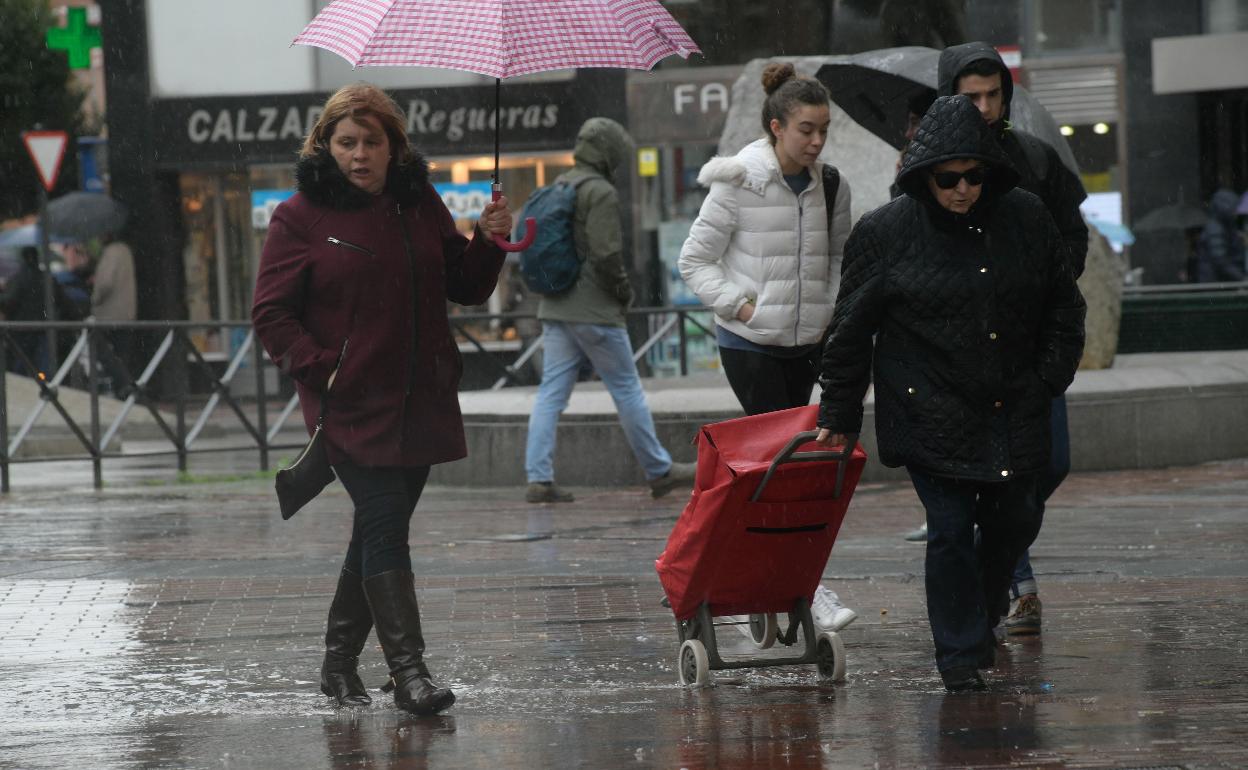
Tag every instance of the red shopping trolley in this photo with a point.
(754, 538)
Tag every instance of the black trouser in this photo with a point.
(767, 383)
(967, 582)
(384, 500)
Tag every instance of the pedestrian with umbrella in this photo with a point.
(1220, 248)
(350, 301)
(497, 38)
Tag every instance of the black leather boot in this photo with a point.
(392, 597)
(345, 633)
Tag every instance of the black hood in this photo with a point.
(953, 129)
(956, 58)
(319, 178)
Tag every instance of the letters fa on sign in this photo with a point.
(703, 97)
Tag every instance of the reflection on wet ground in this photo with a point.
(180, 626)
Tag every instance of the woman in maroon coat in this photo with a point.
(351, 293)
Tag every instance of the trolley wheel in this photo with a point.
(693, 665)
(830, 657)
(764, 629)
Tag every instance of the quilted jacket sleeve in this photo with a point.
(842, 223)
(1065, 193)
(1062, 329)
(701, 257)
(845, 372)
(279, 305)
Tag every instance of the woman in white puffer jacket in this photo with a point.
(765, 254)
(761, 252)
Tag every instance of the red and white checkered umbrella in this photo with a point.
(499, 38)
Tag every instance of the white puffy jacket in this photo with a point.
(755, 240)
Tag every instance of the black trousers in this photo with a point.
(384, 500)
(967, 581)
(766, 383)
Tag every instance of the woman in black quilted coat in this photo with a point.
(960, 294)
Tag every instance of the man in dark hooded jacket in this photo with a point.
(961, 296)
(976, 70)
(1220, 250)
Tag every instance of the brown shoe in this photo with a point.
(1025, 619)
(546, 492)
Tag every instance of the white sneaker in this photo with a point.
(829, 613)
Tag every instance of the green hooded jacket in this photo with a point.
(602, 292)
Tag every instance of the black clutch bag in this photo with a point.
(306, 477)
(310, 473)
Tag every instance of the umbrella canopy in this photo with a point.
(498, 38)
(27, 235)
(875, 88)
(82, 215)
(1175, 216)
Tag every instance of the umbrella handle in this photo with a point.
(530, 228)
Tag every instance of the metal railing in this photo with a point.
(164, 381)
(175, 356)
(662, 322)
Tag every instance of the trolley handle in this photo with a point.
(790, 455)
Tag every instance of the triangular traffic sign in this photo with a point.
(47, 150)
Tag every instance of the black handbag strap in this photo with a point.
(320, 418)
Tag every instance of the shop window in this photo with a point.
(219, 256)
(520, 175)
(1223, 16)
(1071, 26)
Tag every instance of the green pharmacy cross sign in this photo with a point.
(76, 38)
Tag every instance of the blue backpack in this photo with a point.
(551, 265)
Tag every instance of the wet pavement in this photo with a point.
(179, 625)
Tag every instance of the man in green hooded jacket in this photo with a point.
(584, 326)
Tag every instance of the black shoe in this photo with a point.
(419, 695)
(963, 679)
(345, 633)
(396, 616)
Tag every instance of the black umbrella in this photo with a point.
(876, 88)
(83, 215)
(1175, 216)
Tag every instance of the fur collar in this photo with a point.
(319, 178)
(753, 168)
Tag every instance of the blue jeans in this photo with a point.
(966, 581)
(1051, 478)
(384, 500)
(566, 348)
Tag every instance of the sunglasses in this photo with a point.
(947, 180)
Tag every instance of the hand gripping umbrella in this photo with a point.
(499, 39)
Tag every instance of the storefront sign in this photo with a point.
(443, 121)
(683, 105)
(465, 200)
(648, 161)
(263, 202)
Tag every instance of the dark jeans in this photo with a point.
(967, 583)
(384, 500)
(765, 383)
(1051, 478)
